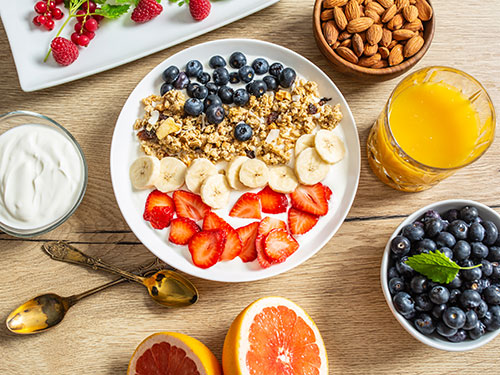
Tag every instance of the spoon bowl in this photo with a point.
(170, 289)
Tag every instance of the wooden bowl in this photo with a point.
(381, 74)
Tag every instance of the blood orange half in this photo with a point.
(274, 336)
(170, 353)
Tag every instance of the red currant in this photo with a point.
(51, 4)
(49, 24)
(91, 25)
(57, 14)
(81, 15)
(83, 40)
(35, 21)
(75, 37)
(89, 34)
(41, 7)
(41, 19)
(98, 17)
(78, 27)
(90, 6)
(58, 2)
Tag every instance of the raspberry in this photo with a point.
(146, 10)
(64, 51)
(200, 9)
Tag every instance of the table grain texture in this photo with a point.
(339, 287)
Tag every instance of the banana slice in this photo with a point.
(282, 179)
(254, 173)
(215, 191)
(233, 172)
(310, 168)
(197, 172)
(329, 146)
(172, 175)
(144, 171)
(304, 141)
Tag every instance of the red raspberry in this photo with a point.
(200, 9)
(65, 52)
(146, 10)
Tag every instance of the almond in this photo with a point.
(370, 50)
(413, 46)
(386, 38)
(358, 45)
(424, 10)
(380, 64)
(326, 15)
(376, 7)
(396, 23)
(339, 18)
(402, 3)
(402, 34)
(369, 61)
(392, 44)
(410, 13)
(352, 10)
(374, 34)
(396, 55)
(414, 26)
(347, 54)
(331, 32)
(336, 45)
(373, 15)
(344, 35)
(386, 3)
(359, 24)
(346, 43)
(389, 13)
(384, 52)
(334, 3)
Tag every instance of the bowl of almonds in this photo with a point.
(381, 39)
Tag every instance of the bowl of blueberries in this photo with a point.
(440, 274)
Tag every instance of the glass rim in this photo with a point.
(416, 162)
(32, 232)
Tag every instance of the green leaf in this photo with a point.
(435, 266)
(101, 2)
(113, 11)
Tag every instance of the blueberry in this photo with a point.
(234, 78)
(451, 215)
(468, 214)
(487, 268)
(193, 68)
(424, 324)
(260, 66)
(490, 233)
(403, 303)
(203, 78)
(423, 303)
(190, 88)
(170, 74)
(220, 76)
(404, 269)
(246, 73)
(215, 114)
(462, 250)
(478, 331)
(400, 246)
(481, 309)
(447, 252)
(287, 77)
(444, 330)
(271, 83)
(212, 100)
(226, 94)
(413, 232)
(243, 132)
(471, 320)
(437, 310)
(454, 317)
(212, 88)
(492, 295)
(476, 232)
(419, 284)
(257, 88)
(472, 274)
(428, 244)
(494, 254)
(200, 92)
(182, 81)
(393, 272)
(460, 336)
(396, 285)
(492, 318)
(458, 229)
(166, 87)
(470, 299)
(479, 250)
(445, 239)
(495, 274)
(433, 227)
(193, 107)
(217, 61)
(455, 295)
(237, 60)
(478, 285)
(455, 283)
(275, 69)
(439, 294)
(241, 97)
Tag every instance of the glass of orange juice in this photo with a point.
(436, 121)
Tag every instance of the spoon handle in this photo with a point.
(64, 252)
(71, 300)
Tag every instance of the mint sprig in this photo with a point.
(436, 266)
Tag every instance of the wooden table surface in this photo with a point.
(339, 286)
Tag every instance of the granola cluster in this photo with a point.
(277, 120)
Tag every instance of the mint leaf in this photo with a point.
(436, 266)
(113, 11)
(180, 2)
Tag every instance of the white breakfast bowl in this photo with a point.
(434, 340)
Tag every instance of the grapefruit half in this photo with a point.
(171, 353)
(274, 336)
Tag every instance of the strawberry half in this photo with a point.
(181, 230)
(279, 245)
(328, 192)
(300, 222)
(206, 247)
(247, 235)
(266, 225)
(311, 199)
(232, 248)
(272, 202)
(247, 207)
(190, 205)
(159, 209)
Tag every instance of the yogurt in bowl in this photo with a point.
(43, 174)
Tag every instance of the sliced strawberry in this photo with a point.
(272, 202)
(190, 205)
(279, 245)
(232, 247)
(206, 247)
(247, 234)
(300, 222)
(161, 217)
(181, 230)
(247, 207)
(266, 225)
(159, 209)
(328, 192)
(310, 199)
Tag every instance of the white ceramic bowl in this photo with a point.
(434, 340)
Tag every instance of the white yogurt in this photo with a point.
(41, 176)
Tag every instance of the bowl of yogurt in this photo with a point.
(43, 174)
